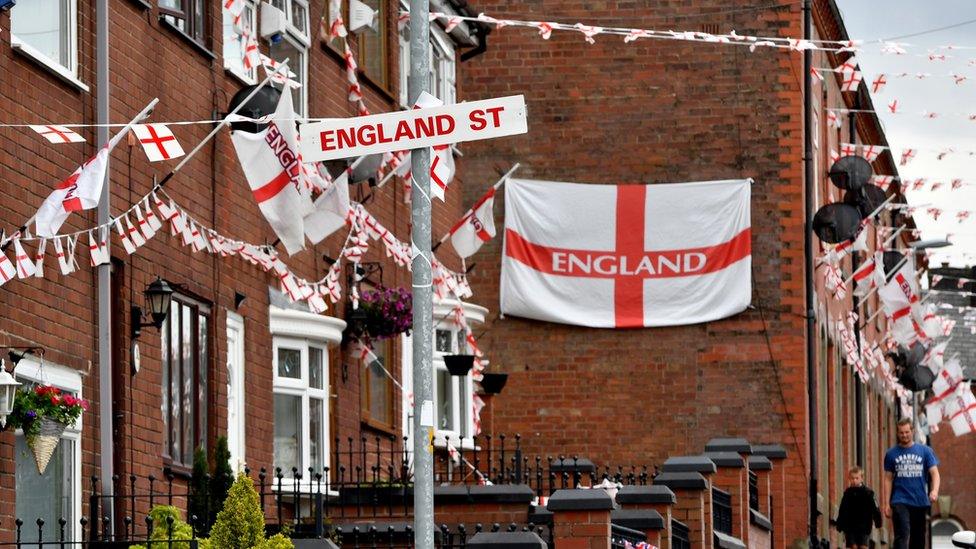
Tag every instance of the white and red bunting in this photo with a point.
(58, 134)
(158, 142)
(644, 255)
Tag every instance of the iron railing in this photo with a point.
(680, 535)
(625, 538)
(400, 536)
(721, 511)
(753, 491)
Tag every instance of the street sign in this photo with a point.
(413, 129)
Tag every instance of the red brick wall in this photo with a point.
(59, 313)
(958, 471)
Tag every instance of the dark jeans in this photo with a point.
(910, 523)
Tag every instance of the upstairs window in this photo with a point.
(235, 42)
(190, 16)
(48, 31)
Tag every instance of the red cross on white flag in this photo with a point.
(878, 83)
(7, 269)
(626, 256)
(25, 264)
(158, 141)
(906, 156)
(893, 106)
(871, 152)
(58, 134)
(850, 81)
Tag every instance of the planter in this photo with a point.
(459, 365)
(493, 383)
(46, 441)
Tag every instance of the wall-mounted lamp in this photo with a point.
(238, 299)
(159, 296)
(8, 389)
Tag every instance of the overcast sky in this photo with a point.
(872, 20)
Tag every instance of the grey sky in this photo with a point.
(871, 20)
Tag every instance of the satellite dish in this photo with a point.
(262, 104)
(366, 169)
(891, 260)
(867, 199)
(908, 367)
(836, 223)
(850, 172)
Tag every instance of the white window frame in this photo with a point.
(241, 73)
(294, 329)
(303, 91)
(68, 380)
(291, 27)
(68, 73)
(236, 392)
(439, 42)
(443, 313)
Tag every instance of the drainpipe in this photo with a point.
(105, 409)
(811, 329)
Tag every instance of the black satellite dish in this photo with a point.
(836, 223)
(262, 104)
(909, 369)
(867, 199)
(850, 172)
(892, 260)
(366, 169)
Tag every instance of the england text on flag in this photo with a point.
(626, 256)
(270, 162)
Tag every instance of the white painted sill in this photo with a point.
(44, 61)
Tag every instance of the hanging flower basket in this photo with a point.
(459, 365)
(383, 313)
(493, 383)
(43, 413)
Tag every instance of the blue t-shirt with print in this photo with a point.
(911, 472)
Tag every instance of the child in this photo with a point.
(858, 510)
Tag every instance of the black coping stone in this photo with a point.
(579, 499)
(687, 481)
(771, 451)
(725, 541)
(760, 520)
(314, 544)
(645, 494)
(499, 493)
(637, 519)
(689, 464)
(726, 459)
(540, 515)
(506, 540)
(569, 465)
(760, 463)
(726, 444)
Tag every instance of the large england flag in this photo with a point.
(626, 256)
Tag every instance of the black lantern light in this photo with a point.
(159, 296)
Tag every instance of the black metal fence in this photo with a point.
(400, 536)
(753, 491)
(680, 535)
(721, 511)
(625, 538)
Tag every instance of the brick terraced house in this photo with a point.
(704, 425)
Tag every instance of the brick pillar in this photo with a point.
(706, 468)
(648, 521)
(776, 454)
(580, 518)
(652, 498)
(471, 504)
(691, 507)
(733, 477)
(763, 469)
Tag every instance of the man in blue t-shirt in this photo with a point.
(911, 485)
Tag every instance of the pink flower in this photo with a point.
(54, 400)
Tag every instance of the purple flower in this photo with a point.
(31, 414)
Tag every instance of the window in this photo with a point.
(57, 493)
(301, 387)
(297, 55)
(185, 360)
(443, 65)
(300, 398)
(48, 31)
(373, 48)
(235, 42)
(296, 13)
(190, 16)
(377, 388)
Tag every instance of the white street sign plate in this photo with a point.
(413, 129)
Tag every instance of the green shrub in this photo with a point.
(222, 479)
(240, 524)
(162, 532)
(200, 502)
(276, 541)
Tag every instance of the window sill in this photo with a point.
(378, 426)
(44, 61)
(189, 39)
(241, 77)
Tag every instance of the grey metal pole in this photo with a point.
(106, 413)
(423, 309)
